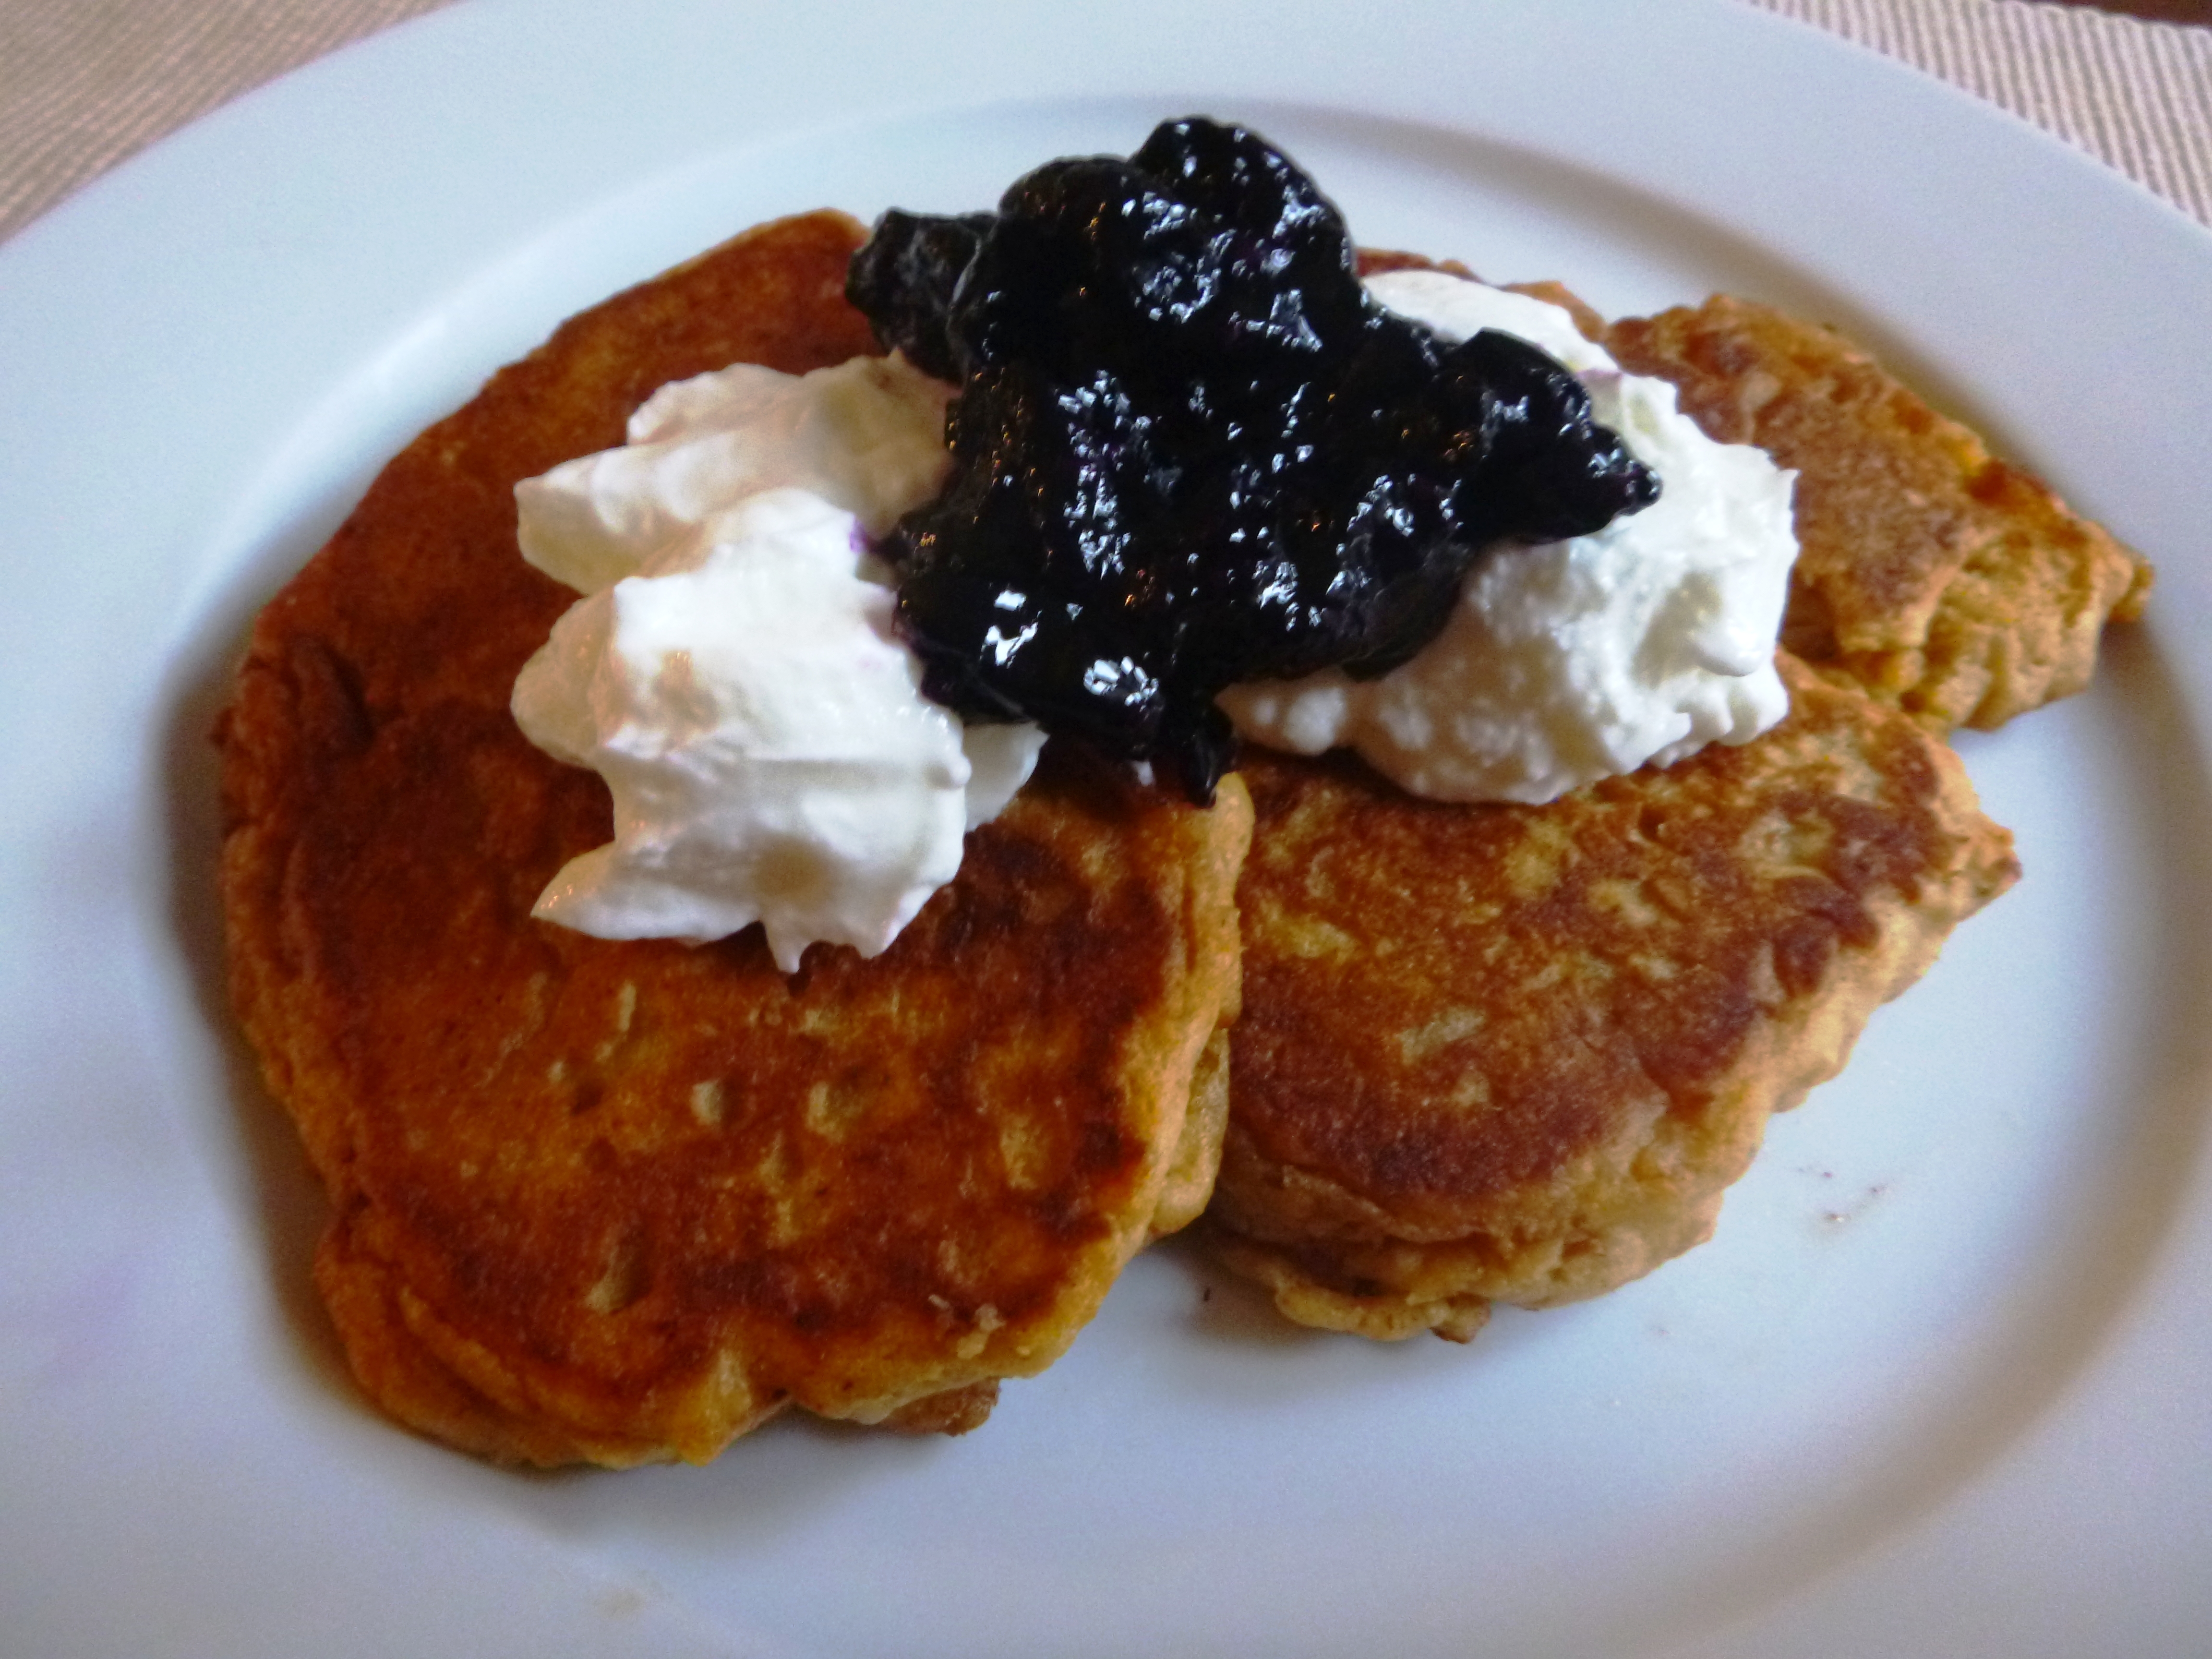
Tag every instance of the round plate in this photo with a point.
(1940, 1385)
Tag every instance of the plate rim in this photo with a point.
(164, 190)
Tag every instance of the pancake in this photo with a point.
(1512, 1053)
(1949, 584)
(623, 1201)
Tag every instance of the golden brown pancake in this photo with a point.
(1500, 1053)
(1515, 1054)
(621, 1201)
(1947, 583)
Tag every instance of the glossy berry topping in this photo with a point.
(1190, 451)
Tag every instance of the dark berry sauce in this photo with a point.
(1190, 451)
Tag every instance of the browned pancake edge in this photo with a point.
(1949, 584)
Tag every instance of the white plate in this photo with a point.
(1941, 1386)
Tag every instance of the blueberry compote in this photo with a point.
(1190, 451)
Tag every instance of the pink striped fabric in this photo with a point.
(83, 85)
(2136, 94)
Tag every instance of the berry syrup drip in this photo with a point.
(1190, 451)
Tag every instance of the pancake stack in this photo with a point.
(615, 1202)
(1510, 1053)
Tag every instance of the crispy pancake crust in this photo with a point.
(620, 1201)
(1515, 1054)
(1947, 583)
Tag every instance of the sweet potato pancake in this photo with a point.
(1948, 583)
(1515, 1054)
(620, 1201)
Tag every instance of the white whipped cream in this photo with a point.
(733, 673)
(735, 677)
(868, 435)
(1580, 659)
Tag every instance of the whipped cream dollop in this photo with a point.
(1580, 659)
(735, 675)
(733, 672)
(868, 435)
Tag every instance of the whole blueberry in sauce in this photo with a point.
(1190, 451)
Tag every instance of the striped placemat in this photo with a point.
(2138, 95)
(85, 85)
